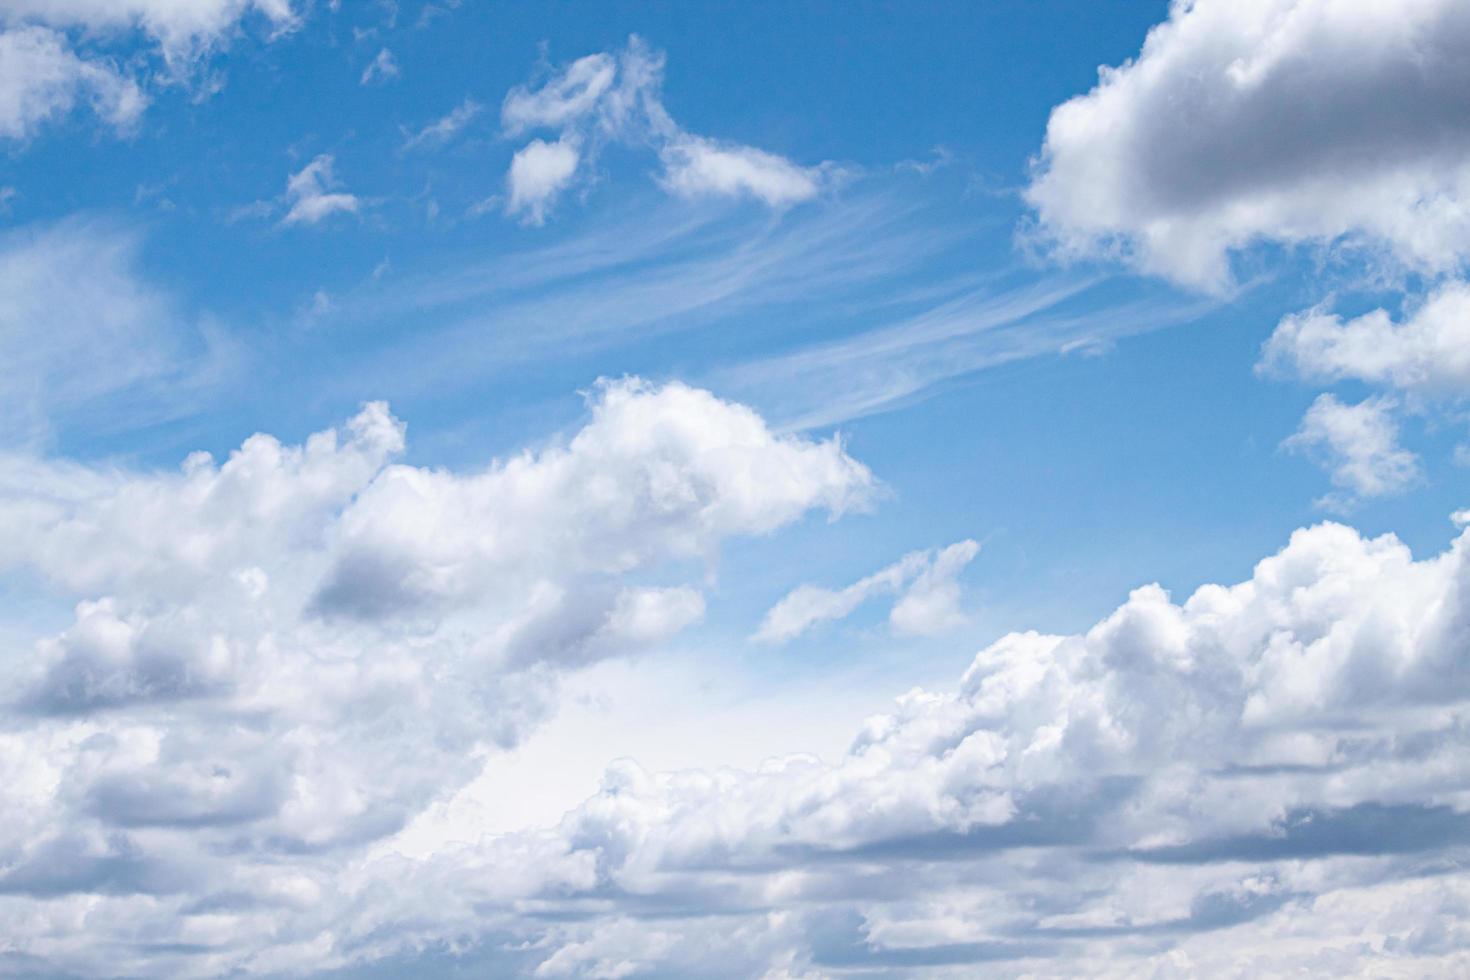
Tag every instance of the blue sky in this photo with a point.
(748, 365)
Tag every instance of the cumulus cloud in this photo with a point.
(1264, 777)
(539, 172)
(311, 193)
(1359, 446)
(277, 659)
(925, 582)
(1427, 353)
(617, 98)
(42, 78)
(1288, 121)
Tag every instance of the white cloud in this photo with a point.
(538, 174)
(1359, 445)
(1253, 780)
(280, 659)
(931, 605)
(562, 100)
(695, 167)
(445, 128)
(381, 69)
(1426, 353)
(41, 78)
(617, 98)
(925, 582)
(184, 29)
(311, 195)
(297, 649)
(1292, 121)
(42, 75)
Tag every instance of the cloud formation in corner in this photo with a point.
(617, 98)
(1287, 121)
(44, 74)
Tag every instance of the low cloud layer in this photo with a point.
(278, 659)
(281, 659)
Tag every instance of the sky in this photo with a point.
(734, 490)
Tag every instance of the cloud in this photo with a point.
(445, 128)
(695, 167)
(923, 580)
(279, 658)
(214, 758)
(616, 98)
(310, 193)
(1359, 446)
(43, 76)
(381, 69)
(1298, 122)
(184, 31)
(86, 339)
(1265, 776)
(41, 79)
(1427, 353)
(539, 172)
(931, 605)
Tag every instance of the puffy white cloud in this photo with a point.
(539, 172)
(279, 658)
(925, 582)
(42, 78)
(1266, 776)
(1427, 353)
(311, 196)
(1359, 445)
(617, 97)
(1291, 121)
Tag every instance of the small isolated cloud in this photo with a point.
(926, 583)
(1291, 121)
(381, 69)
(617, 98)
(445, 128)
(311, 194)
(539, 172)
(695, 167)
(1359, 446)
